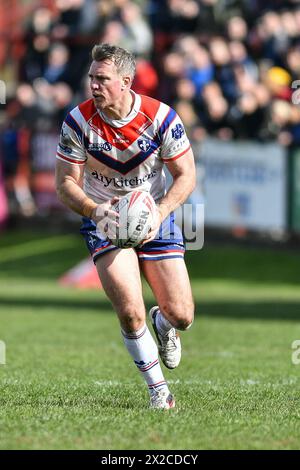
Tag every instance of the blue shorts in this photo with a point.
(167, 244)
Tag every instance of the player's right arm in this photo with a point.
(68, 179)
(69, 173)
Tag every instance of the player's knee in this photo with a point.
(181, 316)
(131, 319)
(183, 323)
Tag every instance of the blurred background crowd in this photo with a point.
(226, 66)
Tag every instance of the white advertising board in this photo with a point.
(244, 184)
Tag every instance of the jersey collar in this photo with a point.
(133, 113)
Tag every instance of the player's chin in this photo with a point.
(98, 100)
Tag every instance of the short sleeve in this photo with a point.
(70, 148)
(175, 142)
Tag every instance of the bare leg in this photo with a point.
(120, 277)
(170, 284)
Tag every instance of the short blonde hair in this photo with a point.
(123, 60)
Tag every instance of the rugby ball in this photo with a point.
(136, 213)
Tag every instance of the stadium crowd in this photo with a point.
(226, 66)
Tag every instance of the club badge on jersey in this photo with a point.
(144, 144)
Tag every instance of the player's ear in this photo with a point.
(126, 82)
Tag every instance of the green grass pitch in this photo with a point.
(69, 383)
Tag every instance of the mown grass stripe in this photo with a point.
(35, 248)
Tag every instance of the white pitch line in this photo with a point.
(243, 382)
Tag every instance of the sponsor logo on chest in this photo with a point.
(120, 139)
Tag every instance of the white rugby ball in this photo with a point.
(136, 211)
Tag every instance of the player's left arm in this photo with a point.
(183, 172)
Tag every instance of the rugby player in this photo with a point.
(114, 143)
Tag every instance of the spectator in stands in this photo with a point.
(293, 62)
(57, 68)
(237, 29)
(214, 111)
(186, 95)
(184, 106)
(75, 17)
(129, 29)
(278, 80)
(172, 69)
(113, 32)
(273, 37)
(240, 56)
(223, 67)
(38, 37)
(27, 110)
(146, 78)
(137, 35)
(176, 16)
(289, 25)
(64, 100)
(200, 69)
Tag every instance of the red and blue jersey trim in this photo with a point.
(122, 167)
(73, 124)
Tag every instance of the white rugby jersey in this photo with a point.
(123, 155)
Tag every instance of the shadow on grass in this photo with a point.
(57, 304)
(246, 264)
(251, 310)
(238, 310)
(264, 265)
(44, 266)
